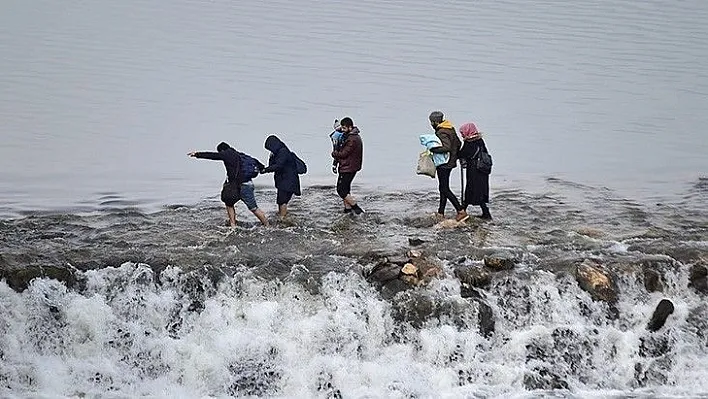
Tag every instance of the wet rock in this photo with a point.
(543, 379)
(485, 319)
(590, 232)
(662, 311)
(415, 242)
(410, 280)
(397, 259)
(409, 269)
(19, 279)
(698, 278)
(473, 276)
(393, 287)
(592, 279)
(414, 253)
(383, 273)
(501, 261)
(652, 281)
(427, 269)
(448, 224)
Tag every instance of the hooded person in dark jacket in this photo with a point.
(450, 145)
(282, 163)
(349, 159)
(231, 191)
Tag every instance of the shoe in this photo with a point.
(347, 210)
(462, 216)
(357, 209)
(486, 216)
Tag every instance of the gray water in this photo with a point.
(102, 100)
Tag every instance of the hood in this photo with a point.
(445, 125)
(430, 140)
(273, 144)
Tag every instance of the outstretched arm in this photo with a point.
(215, 156)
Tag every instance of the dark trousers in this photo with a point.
(344, 183)
(445, 192)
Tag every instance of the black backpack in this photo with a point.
(300, 165)
(482, 161)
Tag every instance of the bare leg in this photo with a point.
(283, 210)
(232, 215)
(261, 216)
(349, 201)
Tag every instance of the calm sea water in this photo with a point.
(102, 100)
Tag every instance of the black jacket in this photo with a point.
(231, 159)
(282, 162)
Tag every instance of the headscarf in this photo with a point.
(469, 131)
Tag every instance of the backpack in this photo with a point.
(482, 161)
(300, 165)
(249, 167)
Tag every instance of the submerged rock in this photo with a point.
(414, 242)
(503, 260)
(20, 278)
(543, 379)
(473, 276)
(662, 311)
(653, 281)
(592, 279)
(698, 278)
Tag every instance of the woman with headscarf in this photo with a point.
(477, 187)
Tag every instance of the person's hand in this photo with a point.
(334, 169)
(463, 163)
(192, 154)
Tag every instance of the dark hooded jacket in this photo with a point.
(351, 154)
(231, 159)
(450, 143)
(282, 162)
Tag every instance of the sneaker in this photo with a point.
(486, 216)
(357, 209)
(347, 210)
(462, 216)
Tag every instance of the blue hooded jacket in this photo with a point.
(431, 141)
(282, 162)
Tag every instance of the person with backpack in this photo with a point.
(349, 159)
(337, 138)
(231, 191)
(250, 168)
(450, 145)
(286, 167)
(476, 159)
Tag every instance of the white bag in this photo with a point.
(426, 166)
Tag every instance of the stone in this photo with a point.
(500, 261)
(19, 279)
(410, 280)
(485, 319)
(473, 276)
(383, 273)
(652, 281)
(661, 313)
(414, 253)
(415, 242)
(698, 278)
(409, 269)
(592, 279)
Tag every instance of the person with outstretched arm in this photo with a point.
(234, 188)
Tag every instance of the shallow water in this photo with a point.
(171, 304)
